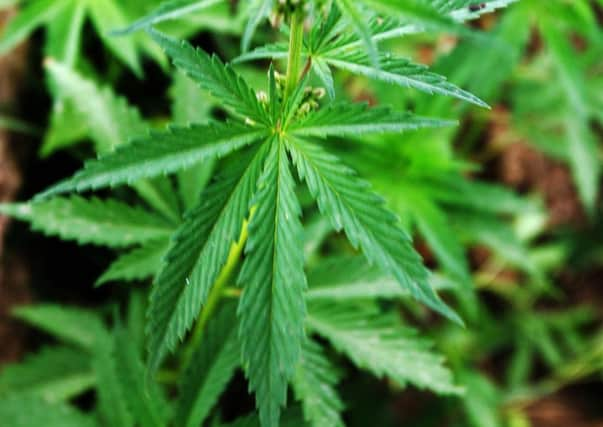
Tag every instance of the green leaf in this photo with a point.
(272, 306)
(110, 122)
(65, 32)
(137, 264)
(583, 152)
(100, 222)
(160, 153)
(401, 72)
(352, 207)
(314, 385)
(211, 74)
(377, 342)
(142, 396)
(73, 325)
(198, 252)
(350, 278)
(55, 374)
(419, 13)
(106, 15)
(27, 20)
(33, 411)
(168, 10)
(213, 365)
(259, 10)
(344, 119)
(112, 406)
(191, 105)
(361, 25)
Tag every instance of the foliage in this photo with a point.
(273, 217)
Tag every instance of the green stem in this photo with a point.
(216, 294)
(296, 43)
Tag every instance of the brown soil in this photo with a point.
(563, 410)
(13, 273)
(523, 167)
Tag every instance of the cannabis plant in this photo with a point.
(214, 212)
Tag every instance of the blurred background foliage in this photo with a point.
(505, 208)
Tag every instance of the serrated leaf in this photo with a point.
(213, 75)
(55, 374)
(94, 221)
(314, 385)
(212, 366)
(272, 307)
(166, 11)
(33, 411)
(377, 342)
(198, 252)
(401, 72)
(344, 119)
(111, 122)
(138, 264)
(73, 325)
(160, 153)
(369, 226)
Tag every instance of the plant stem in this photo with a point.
(296, 42)
(216, 294)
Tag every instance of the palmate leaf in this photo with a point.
(168, 10)
(352, 207)
(272, 307)
(64, 19)
(402, 72)
(70, 374)
(314, 385)
(198, 252)
(212, 75)
(160, 153)
(110, 122)
(212, 366)
(378, 342)
(33, 411)
(100, 222)
(344, 119)
(137, 264)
